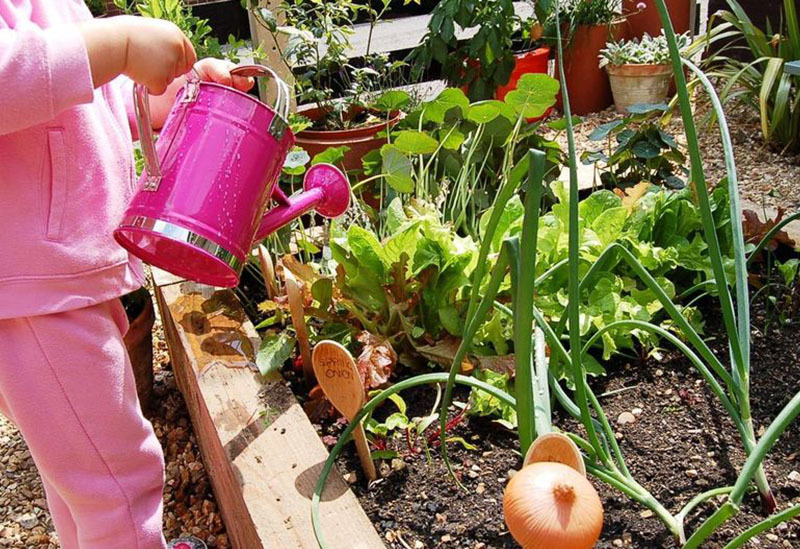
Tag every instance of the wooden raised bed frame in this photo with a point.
(260, 450)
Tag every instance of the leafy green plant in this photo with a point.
(647, 50)
(637, 149)
(486, 60)
(451, 152)
(761, 82)
(198, 30)
(318, 41)
(575, 13)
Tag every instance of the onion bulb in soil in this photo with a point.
(550, 505)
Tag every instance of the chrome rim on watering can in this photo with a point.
(204, 195)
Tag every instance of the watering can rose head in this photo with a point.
(204, 197)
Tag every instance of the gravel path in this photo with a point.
(763, 174)
(189, 505)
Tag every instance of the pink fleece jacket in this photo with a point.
(66, 166)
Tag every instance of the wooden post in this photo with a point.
(272, 55)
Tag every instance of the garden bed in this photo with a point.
(261, 452)
(681, 443)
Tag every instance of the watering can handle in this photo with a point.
(141, 107)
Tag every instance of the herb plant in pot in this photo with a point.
(317, 53)
(639, 70)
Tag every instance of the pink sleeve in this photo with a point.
(42, 73)
(127, 95)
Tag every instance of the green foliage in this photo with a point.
(196, 29)
(575, 13)
(761, 83)
(484, 404)
(641, 151)
(453, 153)
(407, 284)
(317, 36)
(486, 60)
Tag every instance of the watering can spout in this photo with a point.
(325, 189)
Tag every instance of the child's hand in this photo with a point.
(158, 52)
(149, 51)
(219, 71)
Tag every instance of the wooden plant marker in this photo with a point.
(337, 375)
(555, 447)
(294, 291)
(268, 270)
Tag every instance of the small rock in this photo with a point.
(472, 474)
(619, 436)
(419, 545)
(511, 473)
(691, 473)
(668, 392)
(398, 464)
(481, 488)
(636, 411)
(351, 477)
(441, 517)
(27, 521)
(446, 538)
(390, 536)
(772, 537)
(647, 513)
(659, 372)
(794, 476)
(625, 418)
(617, 543)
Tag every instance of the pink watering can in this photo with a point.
(204, 195)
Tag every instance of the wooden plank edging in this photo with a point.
(262, 453)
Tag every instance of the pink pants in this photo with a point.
(67, 383)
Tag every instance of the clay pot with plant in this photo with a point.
(585, 29)
(530, 56)
(639, 70)
(335, 97)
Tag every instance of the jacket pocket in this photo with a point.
(57, 155)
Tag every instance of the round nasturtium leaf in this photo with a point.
(535, 94)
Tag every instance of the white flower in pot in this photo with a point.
(639, 70)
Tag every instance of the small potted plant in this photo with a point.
(639, 70)
(316, 52)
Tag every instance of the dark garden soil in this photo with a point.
(680, 445)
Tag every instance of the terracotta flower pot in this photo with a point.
(139, 342)
(532, 61)
(587, 84)
(646, 20)
(361, 140)
(638, 84)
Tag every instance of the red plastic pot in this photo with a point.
(587, 84)
(533, 61)
(361, 140)
(648, 21)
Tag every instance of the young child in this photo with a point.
(66, 175)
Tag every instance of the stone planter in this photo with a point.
(638, 84)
